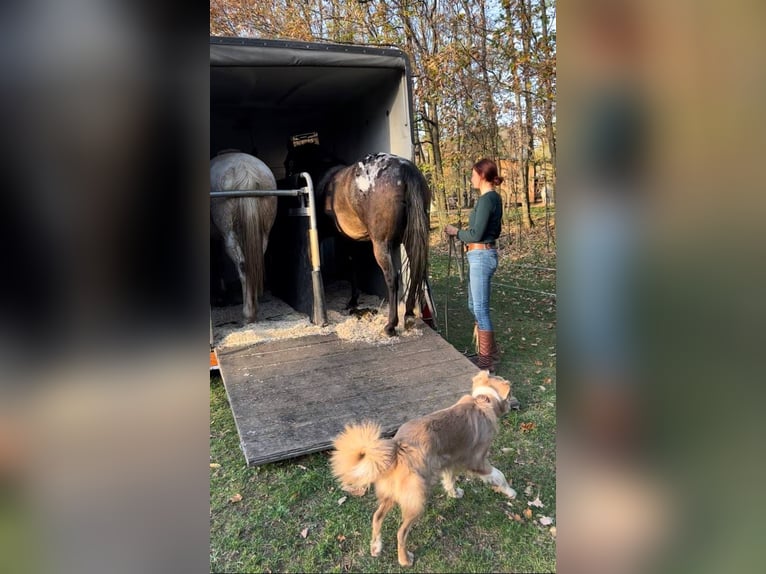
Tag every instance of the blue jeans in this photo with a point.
(482, 264)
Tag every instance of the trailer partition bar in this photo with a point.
(259, 193)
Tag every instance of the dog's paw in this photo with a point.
(410, 558)
(506, 490)
(457, 493)
(375, 547)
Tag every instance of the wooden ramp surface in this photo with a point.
(291, 397)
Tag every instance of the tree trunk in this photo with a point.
(431, 121)
(529, 142)
(547, 98)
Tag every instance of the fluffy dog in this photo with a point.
(406, 467)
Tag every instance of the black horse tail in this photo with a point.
(416, 232)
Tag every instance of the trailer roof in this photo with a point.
(301, 78)
(279, 53)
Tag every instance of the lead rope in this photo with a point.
(449, 269)
(453, 250)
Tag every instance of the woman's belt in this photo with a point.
(472, 246)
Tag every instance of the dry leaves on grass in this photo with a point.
(552, 531)
(536, 502)
(304, 532)
(514, 516)
(546, 520)
(527, 513)
(341, 538)
(236, 498)
(526, 427)
(342, 499)
(215, 465)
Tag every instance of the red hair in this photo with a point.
(487, 169)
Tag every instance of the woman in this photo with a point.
(480, 239)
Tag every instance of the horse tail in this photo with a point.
(416, 232)
(248, 227)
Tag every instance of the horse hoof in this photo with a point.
(409, 321)
(390, 331)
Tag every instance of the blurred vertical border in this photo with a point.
(661, 282)
(103, 336)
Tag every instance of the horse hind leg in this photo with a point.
(384, 258)
(235, 253)
(353, 257)
(353, 302)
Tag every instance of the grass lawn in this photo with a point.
(289, 518)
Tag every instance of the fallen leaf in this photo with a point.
(215, 465)
(527, 513)
(517, 517)
(552, 531)
(528, 490)
(301, 467)
(342, 499)
(546, 520)
(548, 381)
(236, 498)
(527, 427)
(539, 363)
(506, 449)
(341, 538)
(304, 532)
(536, 502)
(541, 387)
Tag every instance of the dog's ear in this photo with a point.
(502, 386)
(480, 379)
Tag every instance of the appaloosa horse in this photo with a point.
(384, 199)
(244, 222)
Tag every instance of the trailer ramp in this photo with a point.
(291, 397)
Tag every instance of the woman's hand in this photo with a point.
(450, 230)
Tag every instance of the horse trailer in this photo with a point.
(266, 97)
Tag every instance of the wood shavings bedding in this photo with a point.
(277, 320)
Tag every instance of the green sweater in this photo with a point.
(485, 220)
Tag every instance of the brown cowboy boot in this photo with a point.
(487, 353)
(494, 351)
(487, 350)
(488, 356)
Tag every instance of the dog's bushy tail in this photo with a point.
(361, 456)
